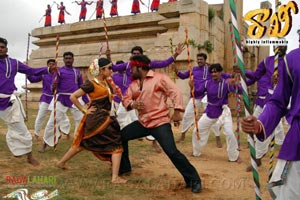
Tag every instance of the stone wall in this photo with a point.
(152, 31)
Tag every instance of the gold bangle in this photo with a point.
(131, 104)
(84, 110)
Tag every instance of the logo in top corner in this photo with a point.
(280, 21)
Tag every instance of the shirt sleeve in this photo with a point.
(250, 77)
(161, 64)
(119, 67)
(24, 69)
(183, 75)
(200, 89)
(232, 88)
(35, 79)
(173, 92)
(260, 71)
(276, 107)
(225, 75)
(87, 86)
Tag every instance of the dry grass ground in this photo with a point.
(153, 176)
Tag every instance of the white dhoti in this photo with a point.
(125, 117)
(18, 138)
(205, 123)
(189, 117)
(114, 108)
(61, 111)
(261, 148)
(285, 181)
(64, 125)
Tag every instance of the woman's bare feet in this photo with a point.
(31, 160)
(118, 180)
(62, 166)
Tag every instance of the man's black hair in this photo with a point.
(3, 41)
(143, 59)
(50, 60)
(137, 48)
(119, 62)
(103, 62)
(68, 53)
(215, 67)
(203, 55)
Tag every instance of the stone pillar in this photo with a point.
(227, 17)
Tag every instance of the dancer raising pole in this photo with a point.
(47, 15)
(62, 11)
(83, 10)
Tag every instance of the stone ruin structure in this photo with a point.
(152, 31)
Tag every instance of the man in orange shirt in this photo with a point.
(148, 94)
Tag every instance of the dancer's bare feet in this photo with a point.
(69, 137)
(31, 160)
(63, 133)
(218, 142)
(156, 147)
(43, 148)
(118, 180)
(238, 160)
(249, 168)
(182, 138)
(36, 137)
(62, 166)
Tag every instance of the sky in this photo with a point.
(20, 17)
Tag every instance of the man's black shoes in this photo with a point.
(195, 186)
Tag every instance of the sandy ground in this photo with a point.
(220, 179)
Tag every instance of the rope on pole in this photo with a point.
(237, 82)
(54, 93)
(110, 80)
(275, 73)
(248, 109)
(26, 85)
(170, 67)
(105, 29)
(191, 79)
